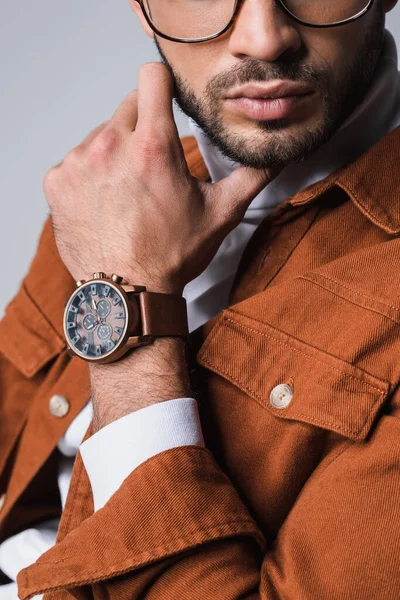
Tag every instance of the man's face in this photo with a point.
(264, 45)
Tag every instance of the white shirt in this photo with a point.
(115, 450)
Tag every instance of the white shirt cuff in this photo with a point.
(24, 548)
(114, 451)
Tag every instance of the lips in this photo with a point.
(269, 101)
(277, 89)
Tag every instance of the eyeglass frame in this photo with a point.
(238, 4)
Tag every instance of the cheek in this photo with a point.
(196, 64)
(334, 48)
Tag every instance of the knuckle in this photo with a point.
(105, 143)
(68, 166)
(49, 183)
(72, 164)
(150, 148)
(154, 145)
(98, 129)
(74, 157)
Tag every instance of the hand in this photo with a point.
(123, 201)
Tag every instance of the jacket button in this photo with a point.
(2, 501)
(281, 396)
(59, 406)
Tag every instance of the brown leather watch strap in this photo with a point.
(163, 315)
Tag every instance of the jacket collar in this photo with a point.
(372, 182)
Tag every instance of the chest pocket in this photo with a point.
(27, 339)
(324, 390)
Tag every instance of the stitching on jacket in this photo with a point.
(43, 353)
(308, 355)
(295, 414)
(45, 318)
(214, 529)
(31, 364)
(342, 296)
(317, 190)
(373, 216)
(346, 287)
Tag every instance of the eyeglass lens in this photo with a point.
(190, 19)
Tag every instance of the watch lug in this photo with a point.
(133, 288)
(139, 340)
(70, 352)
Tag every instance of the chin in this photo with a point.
(273, 143)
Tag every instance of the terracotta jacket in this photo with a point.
(300, 502)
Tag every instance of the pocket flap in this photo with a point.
(27, 339)
(328, 392)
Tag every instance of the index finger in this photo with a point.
(155, 95)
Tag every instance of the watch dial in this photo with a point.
(95, 319)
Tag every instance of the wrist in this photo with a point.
(145, 376)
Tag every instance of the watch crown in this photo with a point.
(116, 278)
(80, 282)
(99, 275)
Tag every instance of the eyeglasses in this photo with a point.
(190, 21)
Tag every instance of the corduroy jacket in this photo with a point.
(298, 502)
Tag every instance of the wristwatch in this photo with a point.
(104, 318)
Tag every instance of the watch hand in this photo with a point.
(95, 307)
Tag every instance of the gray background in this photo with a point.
(65, 67)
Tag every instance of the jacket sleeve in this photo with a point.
(111, 453)
(177, 528)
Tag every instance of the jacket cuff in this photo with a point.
(175, 501)
(114, 451)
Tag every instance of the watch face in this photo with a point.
(96, 319)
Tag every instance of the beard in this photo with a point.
(271, 143)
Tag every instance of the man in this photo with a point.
(280, 478)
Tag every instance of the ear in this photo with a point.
(139, 13)
(388, 5)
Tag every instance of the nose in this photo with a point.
(263, 31)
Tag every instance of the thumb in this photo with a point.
(232, 195)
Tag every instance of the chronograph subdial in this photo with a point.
(104, 331)
(103, 308)
(90, 322)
